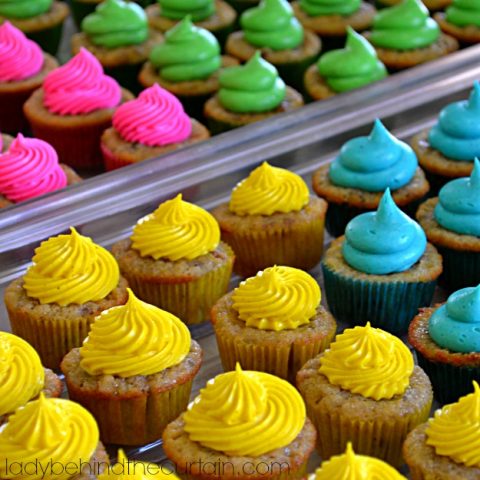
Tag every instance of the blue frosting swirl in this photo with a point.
(385, 241)
(457, 133)
(458, 207)
(374, 163)
(456, 324)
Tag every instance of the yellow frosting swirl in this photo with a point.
(22, 376)
(126, 469)
(176, 230)
(368, 361)
(47, 431)
(355, 467)
(71, 269)
(454, 431)
(277, 298)
(134, 339)
(268, 190)
(245, 413)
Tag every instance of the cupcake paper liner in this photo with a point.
(292, 73)
(460, 268)
(387, 305)
(110, 162)
(49, 38)
(12, 119)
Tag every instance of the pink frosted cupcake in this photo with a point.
(73, 108)
(147, 127)
(30, 168)
(23, 67)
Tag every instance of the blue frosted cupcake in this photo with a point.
(382, 271)
(452, 223)
(447, 150)
(355, 181)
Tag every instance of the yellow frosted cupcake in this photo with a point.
(70, 282)
(134, 371)
(365, 389)
(22, 376)
(355, 467)
(252, 424)
(447, 447)
(273, 322)
(176, 261)
(51, 439)
(272, 219)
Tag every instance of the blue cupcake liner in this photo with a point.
(460, 268)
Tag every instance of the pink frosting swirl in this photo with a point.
(155, 118)
(20, 58)
(80, 87)
(29, 168)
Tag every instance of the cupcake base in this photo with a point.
(399, 60)
(346, 203)
(432, 5)
(118, 153)
(133, 410)
(51, 329)
(261, 241)
(465, 35)
(291, 64)
(438, 168)
(316, 88)
(375, 428)
(221, 120)
(194, 462)
(6, 141)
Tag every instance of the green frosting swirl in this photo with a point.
(463, 13)
(406, 26)
(116, 23)
(251, 88)
(352, 67)
(272, 24)
(315, 8)
(188, 53)
(24, 8)
(179, 9)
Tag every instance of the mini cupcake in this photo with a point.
(330, 18)
(405, 35)
(51, 438)
(22, 376)
(73, 108)
(253, 424)
(273, 323)
(176, 261)
(273, 28)
(382, 270)
(446, 447)
(452, 223)
(354, 66)
(134, 388)
(40, 20)
(365, 389)
(269, 215)
(188, 65)
(446, 339)
(355, 181)
(149, 126)
(447, 150)
(117, 34)
(23, 67)
(249, 93)
(70, 282)
(351, 465)
(217, 16)
(29, 169)
(462, 21)
(432, 5)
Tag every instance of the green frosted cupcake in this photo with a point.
(188, 64)
(217, 16)
(354, 66)
(40, 20)
(117, 34)
(382, 271)
(273, 28)
(249, 93)
(461, 20)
